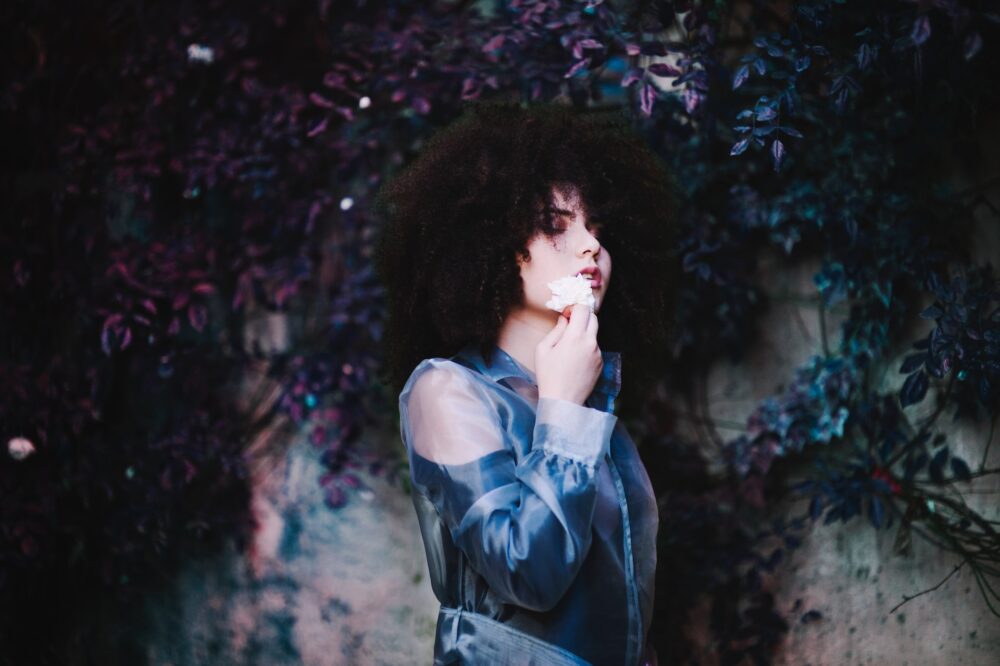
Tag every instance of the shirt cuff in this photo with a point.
(571, 430)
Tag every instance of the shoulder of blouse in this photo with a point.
(435, 373)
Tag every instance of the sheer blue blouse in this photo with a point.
(537, 516)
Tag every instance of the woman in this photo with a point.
(538, 518)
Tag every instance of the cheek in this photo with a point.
(538, 272)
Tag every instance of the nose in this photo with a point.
(590, 244)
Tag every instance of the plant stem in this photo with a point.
(943, 581)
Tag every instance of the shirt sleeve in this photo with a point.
(525, 526)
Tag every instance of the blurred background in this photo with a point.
(200, 466)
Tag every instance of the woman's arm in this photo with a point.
(526, 528)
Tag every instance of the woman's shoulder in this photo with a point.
(447, 417)
(438, 375)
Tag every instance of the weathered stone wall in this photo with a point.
(849, 573)
(318, 587)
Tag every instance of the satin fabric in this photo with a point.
(537, 516)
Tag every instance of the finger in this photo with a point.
(578, 319)
(553, 336)
(592, 323)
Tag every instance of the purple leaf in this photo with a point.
(778, 153)
(841, 100)
(663, 69)
(741, 75)
(468, 86)
(319, 127)
(576, 68)
(204, 288)
(494, 43)
(321, 101)
(334, 80)
(973, 43)
(740, 146)
(198, 316)
(421, 105)
(864, 56)
(766, 113)
(112, 322)
(692, 99)
(631, 76)
(921, 30)
(314, 210)
(647, 98)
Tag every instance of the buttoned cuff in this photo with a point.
(577, 432)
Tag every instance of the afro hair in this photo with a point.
(460, 215)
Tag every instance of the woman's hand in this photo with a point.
(568, 360)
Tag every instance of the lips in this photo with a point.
(592, 272)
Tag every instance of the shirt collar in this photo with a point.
(504, 366)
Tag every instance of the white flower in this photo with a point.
(569, 291)
(364, 102)
(199, 53)
(20, 448)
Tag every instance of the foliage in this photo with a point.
(175, 171)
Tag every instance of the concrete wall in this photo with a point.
(849, 573)
(318, 587)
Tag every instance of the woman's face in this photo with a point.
(574, 247)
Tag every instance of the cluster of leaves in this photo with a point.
(813, 410)
(886, 229)
(964, 343)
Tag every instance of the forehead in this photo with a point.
(567, 198)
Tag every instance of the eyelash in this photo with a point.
(595, 227)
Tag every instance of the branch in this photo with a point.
(918, 594)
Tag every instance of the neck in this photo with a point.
(522, 331)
